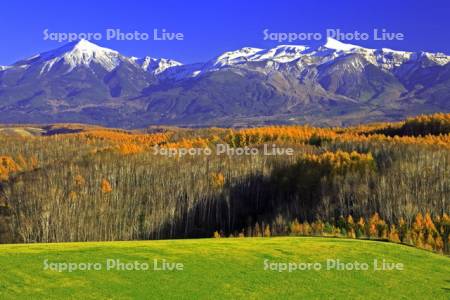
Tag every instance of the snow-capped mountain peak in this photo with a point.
(85, 53)
(280, 54)
(437, 58)
(323, 81)
(283, 57)
(233, 57)
(83, 46)
(156, 65)
(74, 54)
(243, 52)
(334, 44)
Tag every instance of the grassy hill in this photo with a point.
(223, 269)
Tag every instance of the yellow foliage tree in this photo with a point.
(295, 227)
(79, 181)
(267, 232)
(393, 234)
(218, 179)
(106, 186)
(8, 166)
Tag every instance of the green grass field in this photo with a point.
(223, 269)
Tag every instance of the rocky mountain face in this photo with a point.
(333, 84)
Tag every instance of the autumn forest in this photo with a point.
(70, 182)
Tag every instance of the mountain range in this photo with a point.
(334, 84)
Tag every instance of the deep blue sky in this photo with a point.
(214, 26)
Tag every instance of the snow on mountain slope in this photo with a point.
(273, 58)
(332, 80)
(75, 54)
(233, 57)
(84, 53)
(182, 71)
(388, 59)
(304, 56)
(280, 54)
(438, 58)
(156, 65)
(339, 46)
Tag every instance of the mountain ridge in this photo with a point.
(332, 84)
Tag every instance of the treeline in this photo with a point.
(424, 232)
(436, 124)
(104, 184)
